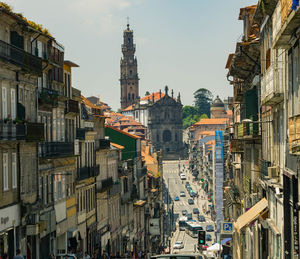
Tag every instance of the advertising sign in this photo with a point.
(154, 227)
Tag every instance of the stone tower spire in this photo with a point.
(129, 79)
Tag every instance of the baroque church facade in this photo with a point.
(165, 126)
(163, 115)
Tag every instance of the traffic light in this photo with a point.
(201, 237)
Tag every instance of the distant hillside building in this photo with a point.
(165, 126)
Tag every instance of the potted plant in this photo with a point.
(7, 119)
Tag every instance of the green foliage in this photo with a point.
(189, 110)
(190, 120)
(147, 93)
(203, 98)
(119, 110)
(203, 116)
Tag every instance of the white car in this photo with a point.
(182, 177)
(178, 245)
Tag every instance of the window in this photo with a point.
(4, 103)
(128, 96)
(176, 137)
(41, 192)
(14, 170)
(157, 137)
(5, 171)
(13, 103)
(132, 96)
(167, 136)
(130, 72)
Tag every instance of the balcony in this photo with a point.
(115, 189)
(236, 146)
(246, 131)
(264, 168)
(28, 131)
(48, 98)
(141, 172)
(72, 107)
(56, 149)
(80, 133)
(288, 24)
(125, 197)
(294, 135)
(238, 93)
(271, 92)
(21, 58)
(102, 144)
(106, 184)
(87, 172)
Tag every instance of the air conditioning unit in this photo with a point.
(273, 171)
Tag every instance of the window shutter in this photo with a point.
(4, 103)
(14, 170)
(5, 171)
(13, 103)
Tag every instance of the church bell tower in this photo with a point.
(129, 76)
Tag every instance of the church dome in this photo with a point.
(217, 103)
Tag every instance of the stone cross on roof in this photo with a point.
(166, 90)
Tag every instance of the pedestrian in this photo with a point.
(140, 254)
(86, 256)
(148, 255)
(18, 255)
(52, 256)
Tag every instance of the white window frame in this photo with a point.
(14, 170)
(5, 171)
(4, 102)
(13, 103)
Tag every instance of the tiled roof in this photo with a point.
(207, 133)
(156, 96)
(129, 108)
(89, 103)
(211, 121)
(123, 132)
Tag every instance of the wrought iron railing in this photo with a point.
(20, 57)
(56, 149)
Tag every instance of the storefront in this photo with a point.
(9, 222)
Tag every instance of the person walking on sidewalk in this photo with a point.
(18, 255)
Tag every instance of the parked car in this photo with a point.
(189, 216)
(182, 177)
(178, 245)
(195, 211)
(201, 218)
(209, 228)
(190, 201)
(208, 237)
(176, 198)
(184, 212)
(182, 194)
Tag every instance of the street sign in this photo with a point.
(227, 227)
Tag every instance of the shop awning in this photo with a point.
(140, 203)
(252, 214)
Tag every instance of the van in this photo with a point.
(182, 177)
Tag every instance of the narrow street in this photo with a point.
(174, 186)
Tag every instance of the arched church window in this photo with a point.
(128, 96)
(132, 96)
(157, 137)
(167, 136)
(128, 40)
(176, 138)
(130, 72)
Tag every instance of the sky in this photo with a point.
(180, 43)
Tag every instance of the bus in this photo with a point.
(182, 223)
(192, 228)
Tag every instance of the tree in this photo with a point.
(189, 110)
(203, 98)
(147, 93)
(203, 116)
